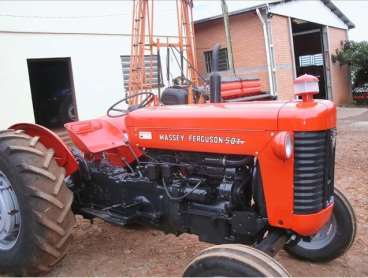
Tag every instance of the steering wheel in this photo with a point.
(121, 112)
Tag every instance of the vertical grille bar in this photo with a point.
(314, 156)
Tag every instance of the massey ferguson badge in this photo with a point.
(201, 139)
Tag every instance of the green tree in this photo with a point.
(354, 54)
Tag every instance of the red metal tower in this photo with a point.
(145, 43)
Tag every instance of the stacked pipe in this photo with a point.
(240, 88)
(233, 89)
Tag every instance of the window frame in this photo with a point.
(125, 68)
(223, 60)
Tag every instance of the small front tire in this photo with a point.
(234, 260)
(334, 239)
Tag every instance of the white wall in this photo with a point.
(53, 29)
(104, 17)
(95, 63)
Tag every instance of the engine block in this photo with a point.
(178, 192)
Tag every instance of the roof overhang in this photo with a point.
(237, 12)
(339, 13)
(328, 3)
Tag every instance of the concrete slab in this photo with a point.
(360, 125)
(347, 112)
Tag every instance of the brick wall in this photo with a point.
(283, 57)
(248, 45)
(340, 75)
(250, 53)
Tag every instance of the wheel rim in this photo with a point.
(323, 238)
(10, 220)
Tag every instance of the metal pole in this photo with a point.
(229, 43)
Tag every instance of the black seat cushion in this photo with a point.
(174, 96)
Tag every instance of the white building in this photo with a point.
(68, 48)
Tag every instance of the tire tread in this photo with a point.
(246, 255)
(44, 180)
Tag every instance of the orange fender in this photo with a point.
(104, 135)
(49, 139)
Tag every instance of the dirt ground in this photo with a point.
(105, 250)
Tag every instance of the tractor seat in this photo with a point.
(174, 96)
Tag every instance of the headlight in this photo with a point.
(288, 146)
(283, 145)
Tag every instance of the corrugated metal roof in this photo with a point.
(328, 3)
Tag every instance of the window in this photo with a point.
(223, 61)
(311, 60)
(148, 61)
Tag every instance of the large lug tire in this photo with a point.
(234, 260)
(335, 238)
(35, 205)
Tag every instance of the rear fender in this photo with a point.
(49, 139)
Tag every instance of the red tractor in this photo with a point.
(252, 177)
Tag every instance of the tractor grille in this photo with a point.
(314, 164)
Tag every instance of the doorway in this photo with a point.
(52, 89)
(309, 52)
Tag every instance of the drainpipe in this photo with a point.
(268, 54)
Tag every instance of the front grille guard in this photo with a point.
(314, 163)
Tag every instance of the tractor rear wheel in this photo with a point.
(234, 260)
(334, 239)
(36, 220)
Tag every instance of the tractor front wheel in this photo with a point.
(234, 260)
(36, 220)
(334, 239)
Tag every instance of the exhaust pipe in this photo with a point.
(215, 78)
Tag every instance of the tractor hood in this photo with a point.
(315, 115)
(239, 128)
(261, 116)
(220, 116)
(228, 128)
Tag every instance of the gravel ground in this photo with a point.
(105, 250)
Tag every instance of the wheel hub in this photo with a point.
(9, 214)
(323, 238)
